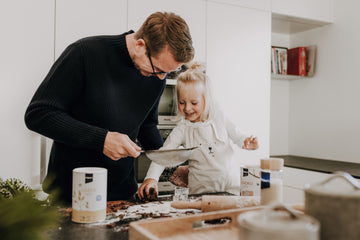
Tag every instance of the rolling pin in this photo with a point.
(210, 203)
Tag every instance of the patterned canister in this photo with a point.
(89, 194)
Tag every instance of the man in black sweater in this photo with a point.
(101, 95)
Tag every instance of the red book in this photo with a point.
(296, 61)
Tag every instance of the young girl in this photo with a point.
(212, 166)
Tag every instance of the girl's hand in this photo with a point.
(180, 176)
(148, 190)
(250, 143)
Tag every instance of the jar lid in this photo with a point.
(272, 163)
(272, 220)
(347, 187)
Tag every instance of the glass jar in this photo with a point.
(271, 180)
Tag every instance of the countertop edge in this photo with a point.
(320, 165)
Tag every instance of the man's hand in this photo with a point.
(118, 145)
(148, 190)
(180, 176)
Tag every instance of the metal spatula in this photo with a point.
(169, 157)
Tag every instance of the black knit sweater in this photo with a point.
(91, 89)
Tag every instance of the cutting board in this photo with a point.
(219, 225)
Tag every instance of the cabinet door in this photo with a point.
(293, 195)
(83, 18)
(298, 178)
(238, 63)
(295, 181)
(26, 54)
(192, 11)
(258, 4)
(320, 10)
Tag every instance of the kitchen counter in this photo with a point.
(320, 165)
(70, 230)
(115, 231)
(106, 230)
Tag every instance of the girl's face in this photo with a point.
(191, 102)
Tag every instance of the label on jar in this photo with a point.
(250, 181)
(265, 180)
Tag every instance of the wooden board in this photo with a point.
(183, 227)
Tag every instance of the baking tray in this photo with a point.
(210, 226)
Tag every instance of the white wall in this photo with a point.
(324, 120)
(26, 54)
(97, 18)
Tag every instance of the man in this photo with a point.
(101, 95)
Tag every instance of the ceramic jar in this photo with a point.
(337, 207)
(277, 221)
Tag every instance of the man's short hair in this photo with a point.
(163, 28)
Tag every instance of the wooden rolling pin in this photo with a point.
(210, 203)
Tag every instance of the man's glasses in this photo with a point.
(152, 66)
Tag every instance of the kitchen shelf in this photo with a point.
(290, 24)
(285, 77)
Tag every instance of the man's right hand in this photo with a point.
(118, 145)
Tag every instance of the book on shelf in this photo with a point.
(296, 61)
(278, 60)
(310, 60)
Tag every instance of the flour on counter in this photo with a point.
(144, 211)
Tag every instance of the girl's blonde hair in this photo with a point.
(196, 75)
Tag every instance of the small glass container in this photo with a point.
(271, 180)
(181, 194)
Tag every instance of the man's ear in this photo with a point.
(139, 44)
(140, 47)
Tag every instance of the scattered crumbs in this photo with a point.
(121, 213)
(120, 220)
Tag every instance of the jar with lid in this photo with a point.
(271, 180)
(277, 221)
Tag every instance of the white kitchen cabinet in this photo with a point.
(293, 16)
(257, 4)
(294, 181)
(293, 195)
(83, 18)
(298, 178)
(26, 54)
(319, 10)
(192, 11)
(238, 50)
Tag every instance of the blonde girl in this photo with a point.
(212, 165)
